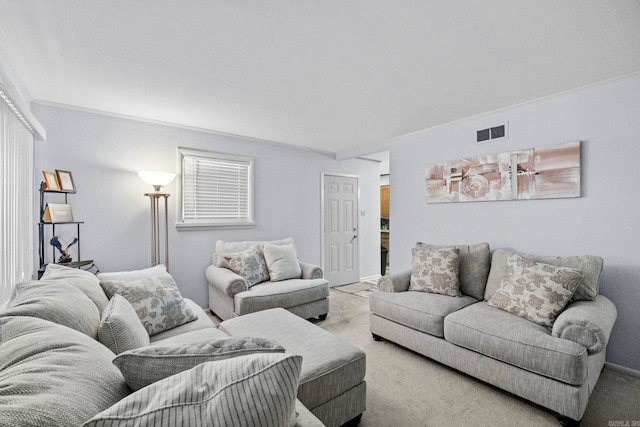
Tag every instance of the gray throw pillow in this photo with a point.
(120, 328)
(157, 301)
(249, 264)
(126, 276)
(146, 365)
(435, 270)
(52, 375)
(258, 389)
(589, 266)
(475, 262)
(535, 291)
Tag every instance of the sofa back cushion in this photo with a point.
(57, 302)
(52, 375)
(589, 266)
(475, 261)
(83, 280)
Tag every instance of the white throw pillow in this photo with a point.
(282, 262)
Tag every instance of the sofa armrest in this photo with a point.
(226, 280)
(311, 271)
(395, 282)
(588, 323)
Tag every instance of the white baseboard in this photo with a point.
(622, 369)
(373, 278)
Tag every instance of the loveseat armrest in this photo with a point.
(395, 282)
(588, 323)
(311, 271)
(226, 280)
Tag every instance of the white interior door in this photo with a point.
(341, 262)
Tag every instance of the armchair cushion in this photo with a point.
(285, 294)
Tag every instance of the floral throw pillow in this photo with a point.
(535, 291)
(435, 270)
(249, 264)
(156, 300)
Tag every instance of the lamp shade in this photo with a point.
(157, 179)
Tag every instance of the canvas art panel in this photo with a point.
(537, 173)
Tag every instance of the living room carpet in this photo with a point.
(407, 389)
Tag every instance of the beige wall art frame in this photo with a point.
(537, 173)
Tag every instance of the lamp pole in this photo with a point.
(155, 228)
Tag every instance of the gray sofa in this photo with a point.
(71, 356)
(556, 367)
(231, 294)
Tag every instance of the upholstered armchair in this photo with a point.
(251, 276)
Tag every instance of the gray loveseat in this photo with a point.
(553, 366)
(70, 356)
(235, 288)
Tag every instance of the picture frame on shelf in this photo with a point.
(65, 181)
(51, 181)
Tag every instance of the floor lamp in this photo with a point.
(158, 180)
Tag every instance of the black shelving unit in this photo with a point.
(41, 233)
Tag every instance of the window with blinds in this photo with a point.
(217, 189)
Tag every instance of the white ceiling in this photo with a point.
(332, 75)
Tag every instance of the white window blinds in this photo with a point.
(217, 189)
(16, 199)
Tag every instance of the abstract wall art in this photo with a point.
(536, 173)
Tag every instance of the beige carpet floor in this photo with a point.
(407, 389)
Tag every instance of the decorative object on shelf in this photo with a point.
(65, 181)
(158, 180)
(57, 212)
(51, 181)
(64, 255)
(537, 173)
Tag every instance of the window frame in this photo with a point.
(211, 223)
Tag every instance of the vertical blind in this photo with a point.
(16, 201)
(216, 189)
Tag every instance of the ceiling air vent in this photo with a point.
(490, 134)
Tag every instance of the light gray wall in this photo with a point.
(602, 222)
(104, 154)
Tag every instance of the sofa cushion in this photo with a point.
(516, 341)
(475, 261)
(535, 291)
(57, 302)
(249, 264)
(288, 293)
(120, 328)
(282, 262)
(331, 366)
(421, 311)
(146, 365)
(435, 270)
(248, 390)
(51, 375)
(126, 276)
(83, 280)
(157, 301)
(589, 266)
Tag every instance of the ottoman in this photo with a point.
(332, 382)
